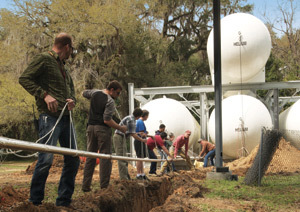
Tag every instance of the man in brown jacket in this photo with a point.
(208, 151)
(48, 79)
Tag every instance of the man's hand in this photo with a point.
(51, 103)
(200, 158)
(71, 104)
(142, 134)
(123, 129)
(145, 141)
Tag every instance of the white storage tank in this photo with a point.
(242, 120)
(175, 116)
(245, 49)
(289, 124)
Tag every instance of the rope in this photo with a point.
(52, 130)
(9, 151)
(72, 131)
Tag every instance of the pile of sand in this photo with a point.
(285, 160)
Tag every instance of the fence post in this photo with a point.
(260, 156)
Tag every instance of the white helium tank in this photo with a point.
(175, 116)
(245, 49)
(242, 120)
(289, 124)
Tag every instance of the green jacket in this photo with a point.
(43, 75)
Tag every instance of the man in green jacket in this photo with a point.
(49, 81)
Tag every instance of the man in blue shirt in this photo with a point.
(140, 147)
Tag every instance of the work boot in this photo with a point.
(139, 177)
(146, 178)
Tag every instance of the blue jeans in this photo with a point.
(211, 154)
(162, 156)
(153, 164)
(71, 164)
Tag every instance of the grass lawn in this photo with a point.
(277, 193)
(13, 166)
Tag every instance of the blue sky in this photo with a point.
(5, 3)
(271, 9)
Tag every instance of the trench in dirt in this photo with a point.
(127, 196)
(132, 196)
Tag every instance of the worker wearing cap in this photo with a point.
(208, 151)
(182, 140)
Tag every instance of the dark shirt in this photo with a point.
(157, 132)
(102, 107)
(44, 76)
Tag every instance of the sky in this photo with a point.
(5, 3)
(270, 7)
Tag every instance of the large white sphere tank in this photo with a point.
(242, 120)
(245, 49)
(175, 116)
(289, 124)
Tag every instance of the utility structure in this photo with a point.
(203, 104)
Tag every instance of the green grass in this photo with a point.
(276, 193)
(13, 166)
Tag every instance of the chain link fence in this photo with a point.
(276, 157)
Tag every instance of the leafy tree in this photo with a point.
(146, 42)
(285, 47)
(16, 110)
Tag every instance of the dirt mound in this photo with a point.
(57, 165)
(285, 160)
(10, 197)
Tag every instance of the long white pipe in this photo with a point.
(25, 145)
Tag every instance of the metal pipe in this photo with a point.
(131, 109)
(9, 143)
(276, 110)
(218, 83)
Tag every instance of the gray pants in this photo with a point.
(120, 146)
(98, 139)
